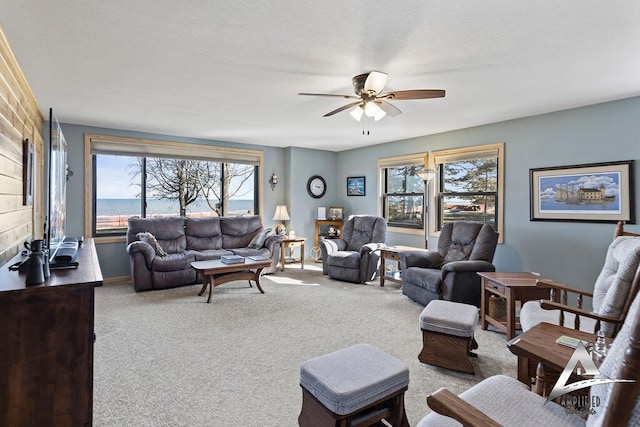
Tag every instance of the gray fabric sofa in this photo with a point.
(191, 239)
(354, 257)
(464, 248)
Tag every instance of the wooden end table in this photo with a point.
(540, 357)
(392, 253)
(216, 272)
(290, 243)
(513, 287)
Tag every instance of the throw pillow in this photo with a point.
(151, 239)
(258, 240)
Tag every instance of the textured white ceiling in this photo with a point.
(231, 70)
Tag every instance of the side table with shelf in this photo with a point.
(290, 243)
(513, 287)
(392, 253)
(322, 232)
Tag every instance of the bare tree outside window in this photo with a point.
(221, 182)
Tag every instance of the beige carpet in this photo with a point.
(166, 358)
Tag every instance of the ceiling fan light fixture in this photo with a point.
(357, 112)
(379, 115)
(371, 109)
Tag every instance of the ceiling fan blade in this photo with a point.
(413, 94)
(375, 82)
(344, 107)
(390, 109)
(330, 94)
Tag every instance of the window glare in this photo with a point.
(172, 186)
(403, 198)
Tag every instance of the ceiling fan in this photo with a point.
(371, 102)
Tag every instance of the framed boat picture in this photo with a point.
(596, 192)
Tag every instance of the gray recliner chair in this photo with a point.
(354, 258)
(464, 248)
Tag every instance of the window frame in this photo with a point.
(104, 144)
(439, 158)
(417, 159)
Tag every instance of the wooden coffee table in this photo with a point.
(513, 287)
(216, 272)
(540, 357)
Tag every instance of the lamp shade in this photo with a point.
(426, 175)
(357, 112)
(281, 213)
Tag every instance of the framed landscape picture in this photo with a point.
(356, 186)
(596, 192)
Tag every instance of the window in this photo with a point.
(469, 185)
(402, 191)
(163, 179)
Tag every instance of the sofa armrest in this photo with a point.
(272, 242)
(371, 247)
(328, 247)
(562, 287)
(444, 402)
(143, 248)
(463, 266)
(423, 259)
(331, 246)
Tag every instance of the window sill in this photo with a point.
(110, 239)
(402, 230)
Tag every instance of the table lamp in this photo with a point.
(281, 215)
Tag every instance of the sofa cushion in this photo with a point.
(172, 262)
(203, 233)
(344, 259)
(208, 254)
(245, 252)
(611, 289)
(169, 232)
(237, 232)
(151, 240)
(427, 278)
(258, 240)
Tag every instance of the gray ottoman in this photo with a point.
(447, 335)
(360, 383)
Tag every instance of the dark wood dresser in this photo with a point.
(46, 345)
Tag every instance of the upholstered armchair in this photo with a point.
(504, 401)
(354, 257)
(464, 248)
(615, 288)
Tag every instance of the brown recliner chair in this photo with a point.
(464, 248)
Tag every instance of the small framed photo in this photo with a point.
(356, 186)
(596, 192)
(336, 213)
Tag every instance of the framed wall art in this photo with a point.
(336, 213)
(27, 172)
(596, 192)
(356, 186)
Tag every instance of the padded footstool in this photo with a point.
(447, 335)
(359, 385)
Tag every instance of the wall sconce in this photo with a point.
(273, 181)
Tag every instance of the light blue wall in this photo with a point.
(302, 164)
(567, 252)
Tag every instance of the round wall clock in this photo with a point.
(316, 186)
